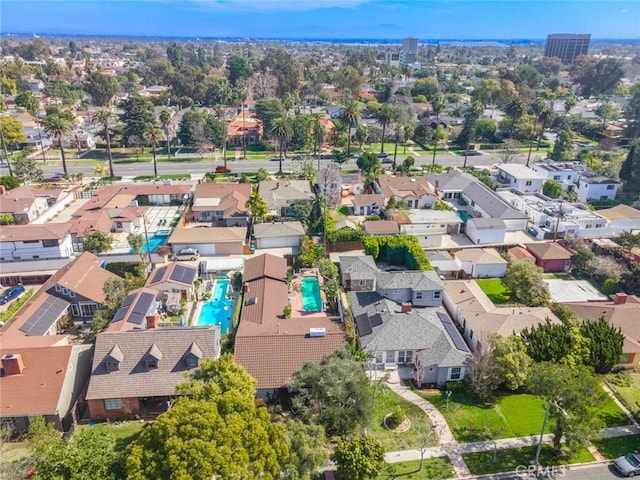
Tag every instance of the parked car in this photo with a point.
(11, 294)
(223, 169)
(383, 155)
(471, 153)
(276, 158)
(387, 160)
(629, 465)
(187, 254)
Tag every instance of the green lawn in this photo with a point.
(513, 415)
(432, 468)
(386, 402)
(343, 210)
(124, 432)
(618, 446)
(495, 290)
(630, 395)
(508, 460)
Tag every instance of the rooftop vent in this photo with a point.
(317, 332)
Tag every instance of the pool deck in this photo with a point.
(295, 296)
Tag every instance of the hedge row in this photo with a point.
(345, 235)
(397, 250)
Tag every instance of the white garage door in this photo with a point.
(204, 249)
(279, 242)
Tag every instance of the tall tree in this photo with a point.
(512, 363)
(60, 127)
(166, 122)
(97, 242)
(597, 76)
(552, 189)
(318, 132)
(237, 69)
(563, 147)
(28, 101)
(632, 112)
(307, 450)
(281, 132)
(104, 118)
(11, 133)
(572, 395)
(137, 113)
(101, 87)
(385, 116)
(526, 283)
(630, 169)
(257, 206)
(351, 117)
(604, 344)
(26, 170)
(268, 110)
(153, 135)
(360, 458)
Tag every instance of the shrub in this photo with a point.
(396, 418)
(286, 311)
(609, 287)
(455, 386)
(397, 250)
(345, 235)
(15, 306)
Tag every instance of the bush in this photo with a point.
(454, 386)
(287, 311)
(609, 287)
(397, 250)
(396, 418)
(15, 306)
(345, 235)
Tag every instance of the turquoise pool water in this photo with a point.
(311, 299)
(464, 216)
(217, 311)
(154, 242)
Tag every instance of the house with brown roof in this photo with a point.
(135, 373)
(209, 240)
(27, 204)
(270, 346)
(221, 204)
(35, 242)
(479, 318)
(173, 279)
(368, 204)
(381, 227)
(244, 129)
(521, 254)
(278, 234)
(411, 192)
(550, 256)
(43, 382)
(622, 218)
(140, 310)
(622, 312)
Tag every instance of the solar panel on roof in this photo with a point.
(375, 320)
(182, 274)
(453, 332)
(364, 327)
(45, 316)
(159, 273)
(120, 314)
(129, 300)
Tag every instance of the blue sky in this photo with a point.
(425, 19)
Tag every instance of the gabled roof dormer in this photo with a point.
(193, 356)
(153, 357)
(113, 360)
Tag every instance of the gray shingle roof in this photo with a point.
(414, 279)
(131, 349)
(278, 229)
(358, 268)
(491, 203)
(487, 223)
(420, 330)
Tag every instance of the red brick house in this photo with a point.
(551, 256)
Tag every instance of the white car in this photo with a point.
(629, 465)
(186, 254)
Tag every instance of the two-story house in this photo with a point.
(26, 204)
(592, 186)
(222, 204)
(34, 242)
(280, 194)
(411, 192)
(566, 173)
(520, 177)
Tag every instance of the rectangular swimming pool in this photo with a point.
(218, 310)
(464, 216)
(311, 298)
(154, 242)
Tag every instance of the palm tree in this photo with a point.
(385, 116)
(351, 117)
(104, 117)
(569, 103)
(544, 115)
(282, 132)
(362, 135)
(319, 132)
(153, 134)
(59, 126)
(399, 131)
(437, 105)
(166, 117)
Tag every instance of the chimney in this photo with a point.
(152, 321)
(246, 287)
(406, 307)
(277, 185)
(620, 299)
(3, 190)
(12, 364)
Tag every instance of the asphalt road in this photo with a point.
(196, 166)
(596, 472)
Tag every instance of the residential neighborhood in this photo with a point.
(225, 258)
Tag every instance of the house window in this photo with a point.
(391, 356)
(151, 363)
(58, 288)
(456, 373)
(588, 226)
(436, 294)
(192, 361)
(528, 183)
(113, 365)
(113, 404)
(88, 309)
(409, 203)
(50, 243)
(72, 294)
(119, 225)
(418, 295)
(75, 310)
(26, 242)
(405, 356)
(557, 177)
(379, 357)
(610, 187)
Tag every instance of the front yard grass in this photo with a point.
(629, 395)
(497, 291)
(508, 460)
(386, 401)
(123, 432)
(432, 468)
(618, 446)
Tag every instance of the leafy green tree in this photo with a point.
(559, 343)
(385, 116)
(237, 69)
(153, 135)
(104, 118)
(166, 122)
(597, 76)
(268, 110)
(425, 86)
(485, 129)
(604, 344)
(7, 219)
(581, 259)
(369, 163)
(137, 113)
(632, 112)
(101, 87)
(512, 363)
(257, 206)
(60, 126)
(572, 394)
(525, 281)
(630, 281)
(309, 253)
(630, 170)
(12, 131)
(174, 54)
(9, 182)
(552, 189)
(28, 101)
(301, 210)
(351, 118)
(360, 458)
(307, 450)
(281, 131)
(26, 170)
(318, 132)
(563, 148)
(332, 393)
(97, 242)
(262, 175)
(136, 242)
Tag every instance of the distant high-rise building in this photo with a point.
(567, 46)
(409, 52)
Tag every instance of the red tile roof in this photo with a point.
(548, 251)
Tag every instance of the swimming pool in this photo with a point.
(154, 242)
(464, 216)
(311, 298)
(217, 311)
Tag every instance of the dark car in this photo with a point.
(223, 169)
(383, 155)
(11, 294)
(629, 465)
(277, 158)
(472, 153)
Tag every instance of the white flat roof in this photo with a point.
(222, 264)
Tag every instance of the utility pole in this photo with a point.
(6, 154)
(555, 230)
(536, 461)
(146, 237)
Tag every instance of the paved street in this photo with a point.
(585, 472)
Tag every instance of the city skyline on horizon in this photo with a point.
(324, 19)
